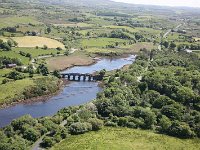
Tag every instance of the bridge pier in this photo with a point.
(68, 76)
(89, 78)
(84, 77)
(74, 77)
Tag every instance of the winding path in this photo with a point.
(36, 145)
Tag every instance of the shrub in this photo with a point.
(96, 123)
(5, 81)
(111, 124)
(47, 142)
(15, 75)
(180, 129)
(80, 128)
(31, 134)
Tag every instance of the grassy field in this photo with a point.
(147, 30)
(15, 20)
(37, 52)
(125, 139)
(12, 54)
(137, 46)
(104, 50)
(33, 41)
(100, 42)
(63, 62)
(75, 25)
(134, 48)
(13, 90)
(95, 31)
(172, 36)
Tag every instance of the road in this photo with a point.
(48, 56)
(168, 32)
(36, 145)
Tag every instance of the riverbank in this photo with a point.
(74, 94)
(66, 62)
(61, 84)
(78, 59)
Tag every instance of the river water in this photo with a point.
(75, 93)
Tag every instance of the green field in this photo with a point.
(12, 54)
(15, 20)
(142, 30)
(36, 52)
(123, 48)
(13, 90)
(100, 42)
(75, 25)
(96, 31)
(125, 139)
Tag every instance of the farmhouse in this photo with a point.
(11, 65)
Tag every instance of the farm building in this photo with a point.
(11, 65)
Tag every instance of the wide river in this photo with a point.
(75, 93)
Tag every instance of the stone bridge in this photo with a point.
(81, 77)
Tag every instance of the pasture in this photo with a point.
(36, 52)
(137, 46)
(33, 41)
(133, 30)
(123, 49)
(12, 54)
(100, 42)
(75, 25)
(125, 139)
(16, 20)
(13, 90)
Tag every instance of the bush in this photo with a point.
(80, 128)
(15, 75)
(181, 130)
(45, 47)
(111, 124)
(5, 81)
(31, 134)
(47, 142)
(96, 123)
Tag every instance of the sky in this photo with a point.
(189, 3)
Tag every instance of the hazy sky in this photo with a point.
(189, 3)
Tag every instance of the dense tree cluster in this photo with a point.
(166, 99)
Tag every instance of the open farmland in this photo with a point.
(75, 25)
(13, 90)
(130, 29)
(36, 52)
(12, 54)
(100, 42)
(12, 21)
(125, 139)
(137, 46)
(133, 48)
(33, 41)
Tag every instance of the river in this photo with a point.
(75, 93)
